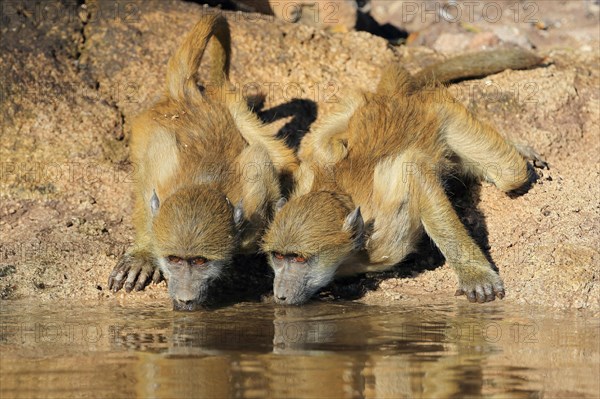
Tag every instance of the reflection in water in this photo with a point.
(323, 350)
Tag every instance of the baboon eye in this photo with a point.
(299, 259)
(174, 259)
(199, 261)
(279, 256)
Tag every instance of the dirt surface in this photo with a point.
(75, 74)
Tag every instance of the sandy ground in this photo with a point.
(74, 75)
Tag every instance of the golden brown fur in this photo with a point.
(387, 153)
(194, 152)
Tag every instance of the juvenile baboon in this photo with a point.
(206, 178)
(383, 160)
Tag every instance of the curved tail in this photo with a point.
(474, 65)
(184, 64)
(477, 65)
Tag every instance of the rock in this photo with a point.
(72, 85)
(449, 43)
(483, 41)
(333, 15)
(512, 34)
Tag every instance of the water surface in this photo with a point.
(322, 350)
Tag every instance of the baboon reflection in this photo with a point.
(319, 351)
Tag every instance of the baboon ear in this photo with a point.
(154, 203)
(355, 225)
(238, 213)
(282, 201)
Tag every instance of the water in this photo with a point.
(322, 350)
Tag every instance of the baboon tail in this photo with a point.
(477, 65)
(184, 64)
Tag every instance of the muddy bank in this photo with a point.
(74, 75)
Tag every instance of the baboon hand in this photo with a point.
(481, 285)
(134, 270)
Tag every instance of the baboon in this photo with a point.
(195, 204)
(371, 181)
